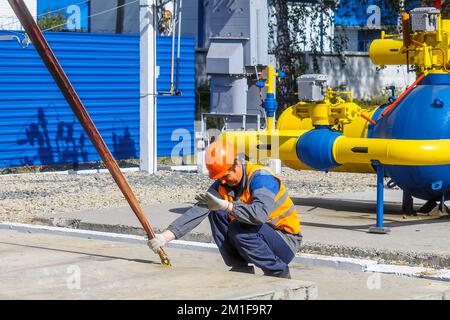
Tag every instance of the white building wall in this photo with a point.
(313, 28)
(351, 37)
(361, 76)
(310, 28)
(8, 20)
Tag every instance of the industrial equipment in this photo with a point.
(407, 139)
(242, 86)
(237, 55)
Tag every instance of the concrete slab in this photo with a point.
(49, 267)
(36, 266)
(339, 263)
(392, 197)
(337, 225)
(348, 285)
(332, 225)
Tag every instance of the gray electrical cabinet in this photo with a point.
(312, 87)
(424, 19)
(225, 58)
(238, 37)
(244, 21)
(229, 95)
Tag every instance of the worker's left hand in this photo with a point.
(212, 202)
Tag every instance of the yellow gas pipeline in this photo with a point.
(260, 145)
(392, 151)
(387, 52)
(347, 151)
(353, 151)
(271, 80)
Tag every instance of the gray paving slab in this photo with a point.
(332, 225)
(36, 266)
(346, 285)
(338, 224)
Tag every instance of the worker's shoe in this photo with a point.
(243, 269)
(286, 274)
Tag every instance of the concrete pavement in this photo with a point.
(332, 225)
(37, 266)
(45, 266)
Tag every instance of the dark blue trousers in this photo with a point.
(240, 244)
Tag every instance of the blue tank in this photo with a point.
(424, 114)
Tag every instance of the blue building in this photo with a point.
(38, 127)
(360, 22)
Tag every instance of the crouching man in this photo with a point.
(253, 219)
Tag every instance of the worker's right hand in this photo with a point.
(157, 242)
(212, 201)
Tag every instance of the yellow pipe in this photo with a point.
(439, 31)
(271, 81)
(392, 151)
(289, 120)
(387, 52)
(271, 78)
(358, 128)
(270, 123)
(354, 154)
(264, 145)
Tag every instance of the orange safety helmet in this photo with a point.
(219, 158)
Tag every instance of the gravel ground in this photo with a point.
(25, 196)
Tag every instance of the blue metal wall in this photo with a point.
(38, 127)
(76, 12)
(176, 113)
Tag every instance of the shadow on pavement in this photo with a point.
(82, 253)
(354, 207)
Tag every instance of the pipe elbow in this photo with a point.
(315, 148)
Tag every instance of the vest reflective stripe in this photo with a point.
(275, 221)
(284, 216)
(282, 200)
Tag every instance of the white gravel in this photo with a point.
(25, 196)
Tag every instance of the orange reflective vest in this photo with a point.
(284, 216)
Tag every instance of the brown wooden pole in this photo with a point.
(72, 98)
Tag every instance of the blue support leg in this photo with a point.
(380, 196)
(442, 207)
(379, 228)
(442, 204)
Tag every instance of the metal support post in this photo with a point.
(148, 71)
(379, 228)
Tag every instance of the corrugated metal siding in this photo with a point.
(176, 112)
(38, 127)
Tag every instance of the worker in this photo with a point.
(253, 219)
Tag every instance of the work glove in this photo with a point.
(212, 202)
(157, 242)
